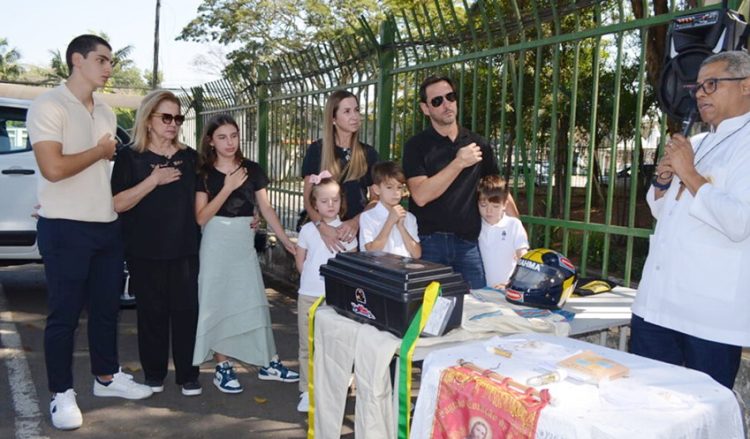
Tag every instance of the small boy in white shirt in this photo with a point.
(388, 226)
(503, 239)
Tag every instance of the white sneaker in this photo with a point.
(126, 375)
(122, 386)
(304, 402)
(64, 410)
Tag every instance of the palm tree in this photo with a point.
(58, 67)
(9, 67)
(120, 62)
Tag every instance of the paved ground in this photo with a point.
(263, 410)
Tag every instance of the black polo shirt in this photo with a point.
(455, 211)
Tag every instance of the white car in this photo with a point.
(18, 181)
(18, 177)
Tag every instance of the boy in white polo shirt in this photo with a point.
(389, 227)
(502, 239)
(79, 238)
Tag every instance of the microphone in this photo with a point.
(687, 124)
(689, 120)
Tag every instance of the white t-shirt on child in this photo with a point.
(498, 244)
(311, 283)
(371, 222)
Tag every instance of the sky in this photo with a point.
(34, 27)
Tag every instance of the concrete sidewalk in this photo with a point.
(264, 410)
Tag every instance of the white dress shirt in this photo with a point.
(694, 280)
(371, 222)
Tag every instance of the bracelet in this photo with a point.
(661, 186)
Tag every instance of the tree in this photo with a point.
(9, 67)
(58, 67)
(266, 28)
(148, 74)
(213, 62)
(125, 74)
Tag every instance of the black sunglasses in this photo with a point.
(168, 118)
(438, 100)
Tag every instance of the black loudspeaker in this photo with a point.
(691, 39)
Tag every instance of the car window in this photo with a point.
(14, 137)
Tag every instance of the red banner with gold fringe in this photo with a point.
(477, 404)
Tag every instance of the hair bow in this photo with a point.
(316, 179)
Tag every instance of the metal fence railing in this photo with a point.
(559, 87)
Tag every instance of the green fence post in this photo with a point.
(263, 117)
(198, 106)
(386, 56)
(556, 39)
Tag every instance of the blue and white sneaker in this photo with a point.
(225, 379)
(276, 371)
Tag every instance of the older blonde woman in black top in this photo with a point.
(153, 183)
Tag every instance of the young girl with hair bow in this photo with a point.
(312, 252)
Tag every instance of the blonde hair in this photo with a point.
(141, 137)
(325, 182)
(357, 166)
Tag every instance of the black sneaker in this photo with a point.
(157, 386)
(192, 388)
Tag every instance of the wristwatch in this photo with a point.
(661, 186)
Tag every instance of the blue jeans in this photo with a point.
(462, 255)
(720, 361)
(83, 263)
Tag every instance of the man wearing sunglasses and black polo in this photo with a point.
(443, 165)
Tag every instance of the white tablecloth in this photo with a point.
(657, 400)
(339, 340)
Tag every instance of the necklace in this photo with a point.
(227, 168)
(167, 152)
(347, 153)
(700, 146)
(698, 149)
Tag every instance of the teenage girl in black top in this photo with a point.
(234, 320)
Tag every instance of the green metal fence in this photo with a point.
(558, 87)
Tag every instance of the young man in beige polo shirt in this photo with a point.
(72, 134)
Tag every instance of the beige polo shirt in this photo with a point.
(59, 116)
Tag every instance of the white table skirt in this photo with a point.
(657, 400)
(594, 313)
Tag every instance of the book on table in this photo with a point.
(590, 366)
